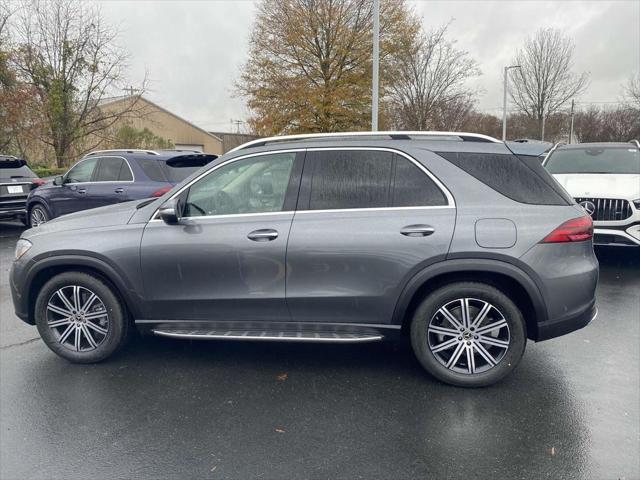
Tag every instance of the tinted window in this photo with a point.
(112, 169)
(82, 171)
(510, 176)
(595, 160)
(413, 188)
(177, 173)
(350, 179)
(153, 169)
(254, 185)
(15, 169)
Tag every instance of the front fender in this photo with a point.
(42, 268)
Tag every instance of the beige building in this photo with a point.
(163, 123)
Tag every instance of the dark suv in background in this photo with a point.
(448, 238)
(16, 181)
(113, 176)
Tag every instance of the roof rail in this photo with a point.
(128, 150)
(635, 142)
(394, 135)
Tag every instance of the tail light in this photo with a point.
(162, 191)
(575, 230)
(37, 182)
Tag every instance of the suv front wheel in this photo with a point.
(468, 334)
(80, 318)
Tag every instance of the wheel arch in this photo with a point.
(38, 201)
(508, 278)
(48, 268)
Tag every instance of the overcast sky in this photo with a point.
(193, 51)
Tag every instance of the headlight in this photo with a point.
(22, 247)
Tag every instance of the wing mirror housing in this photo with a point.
(59, 180)
(171, 211)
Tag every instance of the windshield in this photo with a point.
(595, 160)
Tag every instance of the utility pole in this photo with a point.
(237, 123)
(504, 101)
(571, 128)
(376, 65)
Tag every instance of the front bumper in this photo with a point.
(628, 236)
(556, 328)
(20, 303)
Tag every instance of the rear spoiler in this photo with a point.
(12, 162)
(191, 160)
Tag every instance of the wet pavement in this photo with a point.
(175, 409)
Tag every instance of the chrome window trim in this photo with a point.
(450, 200)
(98, 158)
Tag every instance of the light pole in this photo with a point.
(376, 61)
(504, 101)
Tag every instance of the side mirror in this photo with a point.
(59, 180)
(170, 212)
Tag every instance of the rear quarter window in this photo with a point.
(524, 181)
(153, 170)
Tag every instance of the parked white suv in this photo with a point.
(604, 178)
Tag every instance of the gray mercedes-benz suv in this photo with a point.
(447, 237)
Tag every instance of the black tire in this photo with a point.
(433, 362)
(117, 323)
(42, 212)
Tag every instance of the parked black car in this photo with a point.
(106, 177)
(16, 181)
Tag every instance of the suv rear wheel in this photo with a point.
(80, 318)
(468, 334)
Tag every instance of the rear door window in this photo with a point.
(349, 179)
(112, 169)
(413, 188)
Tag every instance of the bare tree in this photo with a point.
(68, 55)
(544, 83)
(428, 91)
(632, 90)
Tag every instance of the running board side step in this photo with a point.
(282, 336)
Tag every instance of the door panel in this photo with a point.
(350, 266)
(208, 269)
(367, 220)
(225, 260)
(72, 195)
(110, 183)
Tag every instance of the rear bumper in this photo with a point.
(558, 327)
(13, 213)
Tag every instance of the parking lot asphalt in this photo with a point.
(177, 409)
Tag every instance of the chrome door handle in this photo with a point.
(82, 191)
(264, 235)
(119, 190)
(417, 230)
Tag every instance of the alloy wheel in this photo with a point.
(37, 217)
(78, 318)
(468, 335)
